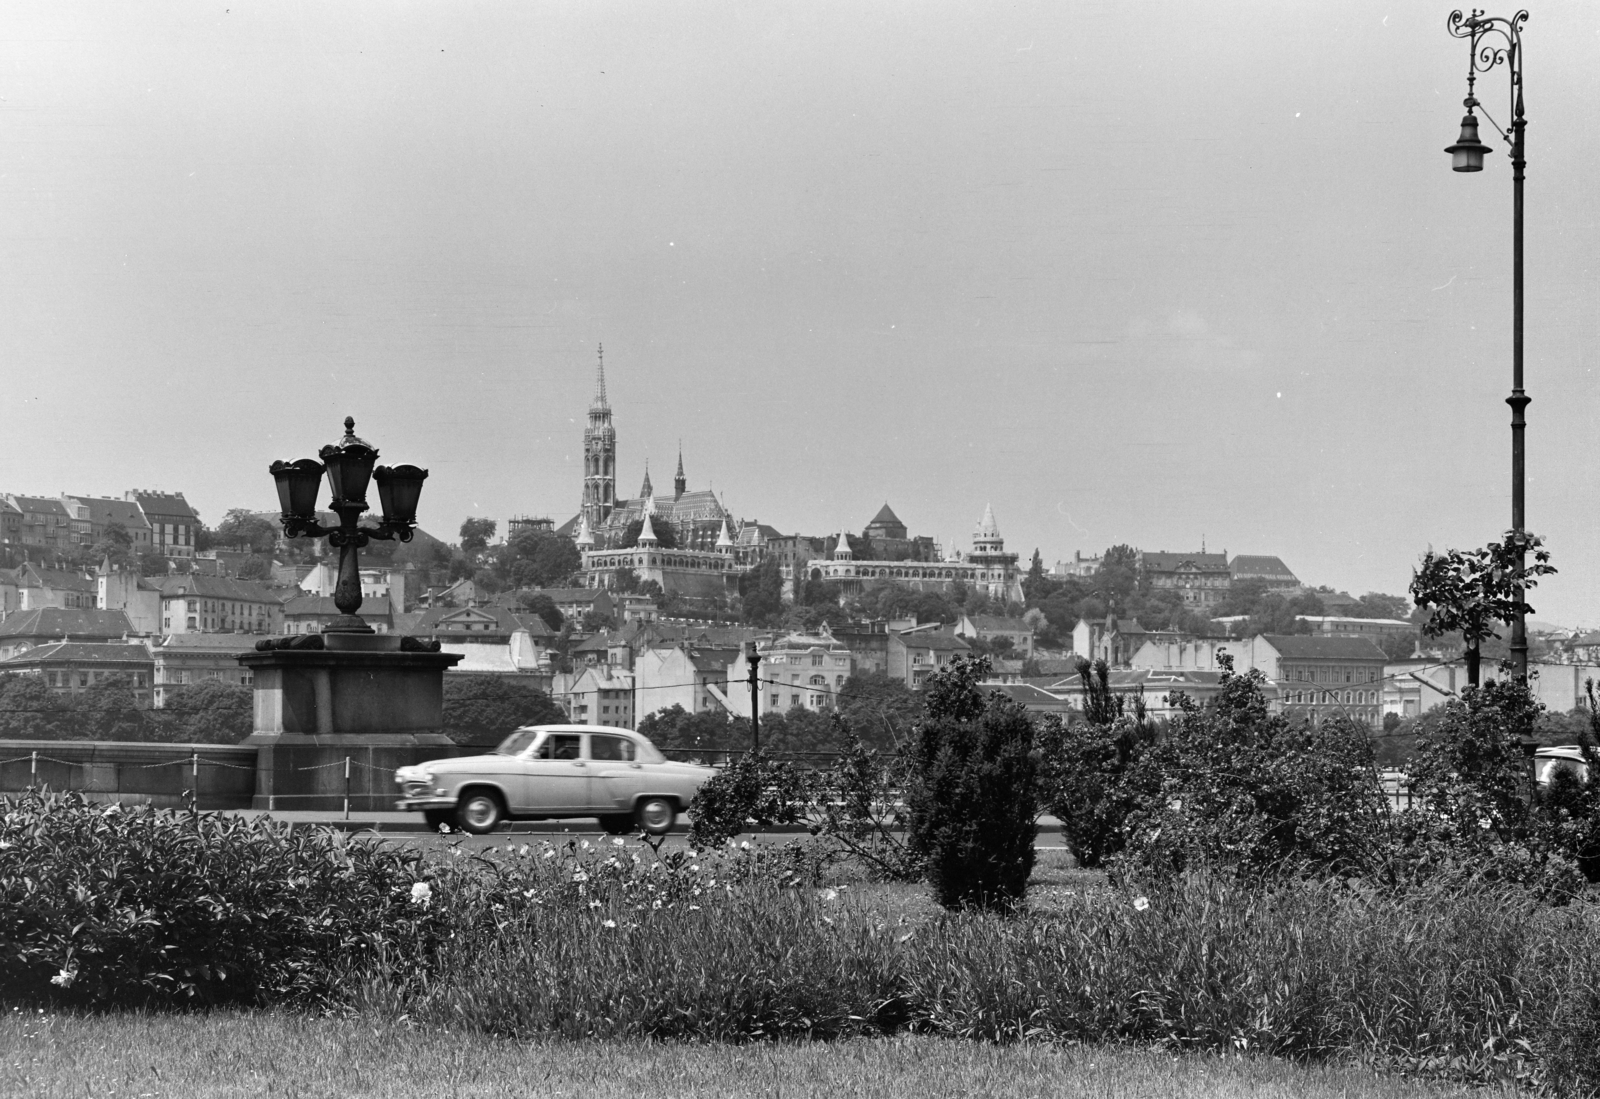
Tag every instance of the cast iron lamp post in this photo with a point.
(1494, 41)
(349, 466)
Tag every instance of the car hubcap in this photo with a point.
(656, 815)
(480, 811)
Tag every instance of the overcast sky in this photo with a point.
(1130, 272)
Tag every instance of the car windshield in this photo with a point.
(516, 743)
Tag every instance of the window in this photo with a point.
(561, 745)
(611, 748)
(794, 700)
(774, 702)
(816, 661)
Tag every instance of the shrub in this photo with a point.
(1086, 767)
(753, 791)
(972, 792)
(109, 905)
(1235, 786)
(482, 709)
(855, 806)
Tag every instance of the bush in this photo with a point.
(114, 906)
(751, 792)
(1235, 786)
(482, 709)
(972, 792)
(1086, 768)
(211, 712)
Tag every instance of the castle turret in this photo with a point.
(842, 551)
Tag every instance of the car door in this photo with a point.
(555, 777)
(616, 773)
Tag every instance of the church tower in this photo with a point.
(599, 455)
(680, 484)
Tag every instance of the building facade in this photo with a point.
(72, 667)
(195, 603)
(988, 569)
(1202, 579)
(190, 659)
(172, 521)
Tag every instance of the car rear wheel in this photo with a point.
(480, 812)
(616, 824)
(655, 815)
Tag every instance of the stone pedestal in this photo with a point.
(321, 713)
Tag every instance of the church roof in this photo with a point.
(886, 516)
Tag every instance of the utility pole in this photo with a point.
(755, 699)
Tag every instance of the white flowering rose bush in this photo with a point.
(106, 905)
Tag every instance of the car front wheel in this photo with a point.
(655, 815)
(479, 813)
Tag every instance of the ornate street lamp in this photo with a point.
(349, 468)
(1493, 41)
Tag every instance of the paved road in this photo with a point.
(408, 828)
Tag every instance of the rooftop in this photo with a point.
(80, 652)
(1302, 647)
(65, 623)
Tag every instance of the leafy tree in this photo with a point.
(1470, 591)
(801, 730)
(972, 791)
(537, 602)
(205, 539)
(537, 559)
(31, 710)
(246, 532)
(881, 710)
(255, 568)
(1378, 605)
(475, 535)
(481, 710)
(625, 581)
(676, 729)
(761, 589)
(109, 709)
(115, 545)
(210, 712)
(152, 564)
(666, 537)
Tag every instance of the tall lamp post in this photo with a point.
(1493, 41)
(349, 468)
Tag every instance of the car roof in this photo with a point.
(576, 729)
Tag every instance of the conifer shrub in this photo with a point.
(972, 791)
(107, 905)
(1086, 767)
(752, 792)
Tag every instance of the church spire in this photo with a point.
(646, 492)
(600, 382)
(680, 485)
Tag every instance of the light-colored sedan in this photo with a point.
(546, 771)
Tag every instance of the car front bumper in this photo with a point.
(417, 805)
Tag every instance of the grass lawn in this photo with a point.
(233, 1054)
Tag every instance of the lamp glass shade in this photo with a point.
(349, 470)
(298, 486)
(399, 490)
(1466, 155)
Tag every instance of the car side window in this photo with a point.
(560, 746)
(610, 748)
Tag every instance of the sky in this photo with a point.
(1155, 273)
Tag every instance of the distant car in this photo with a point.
(553, 771)
(1570, 756)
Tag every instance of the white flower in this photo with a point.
(617, 842)
(1141, 903)
(694, 908)
(827, 894)
(550, 854)
(584, 844)
(745, 846)
(579, 875)
(657, 903)
(444, 829)
(594, 904)
(609, 923)
(65, 978)
(421, 893)
(1485, 822)
(524, 851)
(695, 869)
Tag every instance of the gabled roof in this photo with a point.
(886, 517)
(999, 622)
(163, 503)
(455, 620)
(80, 652)
(32, 576)
(213, 587)
(941, 642)
(1303, 647)
(66, 622)
(41, 504)
(1163, 561)
(206, 642)
(103, 510)
(1247, 567)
